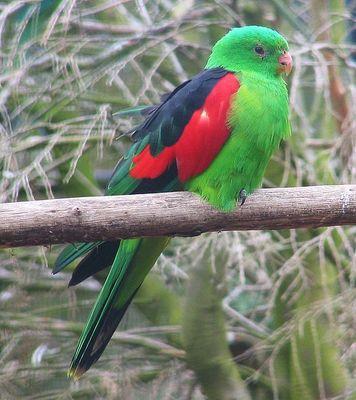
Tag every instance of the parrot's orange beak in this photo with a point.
(285, 63)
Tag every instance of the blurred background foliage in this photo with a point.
(241, 315)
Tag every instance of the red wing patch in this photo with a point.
(201, 139)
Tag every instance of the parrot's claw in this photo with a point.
(242, 197)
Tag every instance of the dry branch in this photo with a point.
(174, 214)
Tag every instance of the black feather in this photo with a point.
(166, 182)
(98, 259)
(106, 327)
(166, 122)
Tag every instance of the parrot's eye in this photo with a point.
(260, 50)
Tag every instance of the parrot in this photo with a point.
(213, 135)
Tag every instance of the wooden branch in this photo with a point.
(173, 214)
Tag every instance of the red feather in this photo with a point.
(201, 140)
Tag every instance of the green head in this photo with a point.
(252, 48)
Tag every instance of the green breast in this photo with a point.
(259, 121)
(260, 111)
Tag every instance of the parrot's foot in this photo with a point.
(242, 197)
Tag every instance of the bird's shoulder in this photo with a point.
(166, 121)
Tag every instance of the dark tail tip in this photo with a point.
(75, 373)
(57, 268)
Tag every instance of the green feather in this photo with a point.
(120, 183)
(259, 121)
(71, 253)
(133, 261)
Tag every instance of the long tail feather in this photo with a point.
(134, 259)
(71, 253)
(98, 259)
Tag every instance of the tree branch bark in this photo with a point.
(173, 214)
